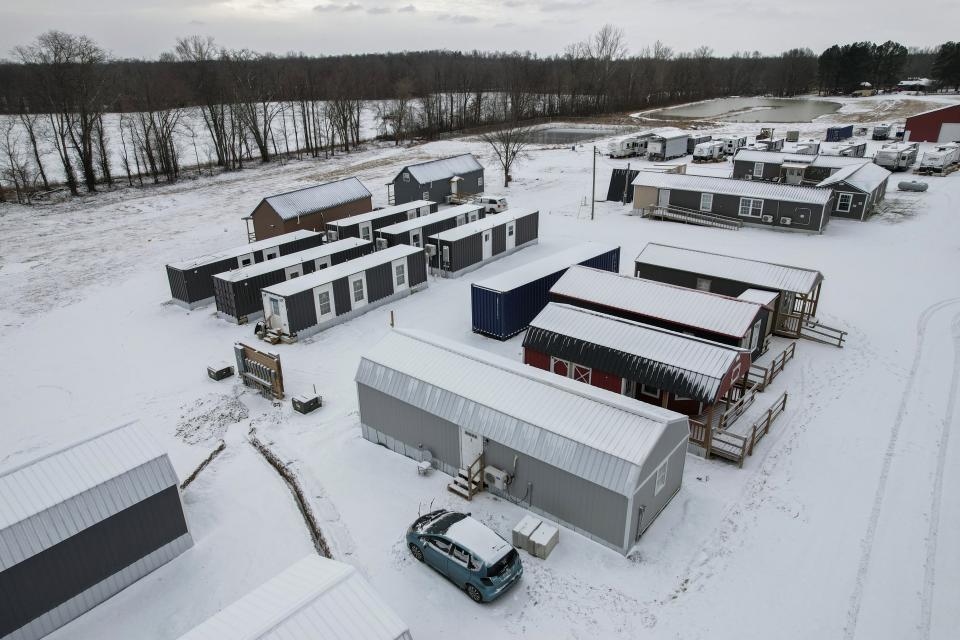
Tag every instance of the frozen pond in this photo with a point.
(752, 110)
(560, 135)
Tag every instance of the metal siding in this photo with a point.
(644, 497)
(466, 252)
(48, 579)
(301, 310)
(527, 228)
(300, 245)
(416, 269)
(178, 284)
(345, 231)
(379, 281)
(341, 297)
(689, 279)
(225, 296)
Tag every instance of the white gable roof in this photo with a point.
(677, 305)
(729, 186)
(545, 266)
(380, 213)
(422, 221)
(444, 168)
(596, 434)
(242, 250)
(491, 221)
(342, 270)
(865, 177)
(766, 275)
(313, 599)
(309, 200)
(291, 259)
(771, 157)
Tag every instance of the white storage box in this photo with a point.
(544, 539)
(521, 532)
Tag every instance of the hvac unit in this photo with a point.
(766, 218)
(496, 478)
(431, 250)
(332, 235)
(748, 176)
(786, 221)
(381, 244)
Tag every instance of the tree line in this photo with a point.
(203, 105)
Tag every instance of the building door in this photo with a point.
(415, 238)
(511, 235)
(471, 446)
(663, 198)
(487, 244)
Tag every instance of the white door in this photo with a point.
(411, 214)
(471, 446)
(487, 244)
(511, 235)
(323, 262)
(415, 238)
(663, 197)
(461, 219)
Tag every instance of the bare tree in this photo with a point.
(509, 145)
(16, 165)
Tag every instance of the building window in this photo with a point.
(426, 195)
(582, 374)
(510, 230)
(703, 284)
(751, 207)
(357, 290)
(294, 274)
(323, 301)
(365, 233)
(401, 273)
(406, 177)
(661, 478)
(271, 256)
(757, 169)
(650, 392)
(844, 202)
(245, 262)
(706, 202)
(275, 306)
(486, 237)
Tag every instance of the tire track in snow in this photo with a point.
(866, 545)
(929, 568)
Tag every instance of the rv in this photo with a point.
(626, 147)
(731, 143)
(941, 159)
(709, 151)
(898, 156)
(881, 132)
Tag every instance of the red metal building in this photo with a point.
(936, 125)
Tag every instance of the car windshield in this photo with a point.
(501, 565)
(444, 522)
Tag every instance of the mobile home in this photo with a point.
(503, 306)
(237, 292)
(309, 304)
(472, 245)
(366, 225)
(414, 232)
(310, 208)
(598, 463)
(191, 281)
(857, 190)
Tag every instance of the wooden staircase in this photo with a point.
(468, 482)
(689, 216)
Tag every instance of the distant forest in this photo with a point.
(250, 106)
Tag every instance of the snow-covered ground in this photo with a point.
(841, 525)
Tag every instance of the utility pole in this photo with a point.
(593, 184)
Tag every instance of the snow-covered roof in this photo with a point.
(767, 275)
(241, 250)
(312, 599)
(678, 305)
(865, 177)
(545, 266)
(479, 539)
(897, 147)
(51, 498)
(672, 135)
(595, 434)
(760, 296)
(491, 221)
(771, 157)
(309, 200)
(442, 169)
(291, 259)
(696, 366)
(729, 186)
(380, 213)
(916, 82)
(342, 270)
(430, 218)
(836, 162)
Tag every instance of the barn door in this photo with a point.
(471, 446)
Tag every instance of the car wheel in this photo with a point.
(416, 551)
(474, 593)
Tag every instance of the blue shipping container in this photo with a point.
(504, 305)
(836, 134)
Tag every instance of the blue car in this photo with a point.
(467, 552)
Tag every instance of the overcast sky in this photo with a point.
(145, 28)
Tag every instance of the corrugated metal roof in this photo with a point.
(760, 296)
(678, 305)
(442, 169)
(545, 266)
(422, 221)
(699, 366)
(491, 221)
(342, 270)
(766, 275)
(313, 599)
(380, 213)
(49, 499)
(729, 186)
(595, 434)
(771, 157)
(836, 162)
(241, 250)
(309, 200)
(866, 177)
(291, 259)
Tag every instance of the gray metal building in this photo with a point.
(598, 462)
(857, 190)
(437, 179)
(414, 232)
(365, 225)
(79, 525)
(472, 245)
(306, 305)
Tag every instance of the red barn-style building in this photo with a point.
(936, 125)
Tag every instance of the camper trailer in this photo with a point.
(941, 159)
(898, 156)
(731, 143)
(627, 147)
(881, 132)
(709, 151)
(696, 139)
(665, 146)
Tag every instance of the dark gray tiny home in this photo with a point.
(309, 304)
(366, 225)
(470, 246)
(191, 281)
(437, 179)
(414, 232)
(238, 292)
